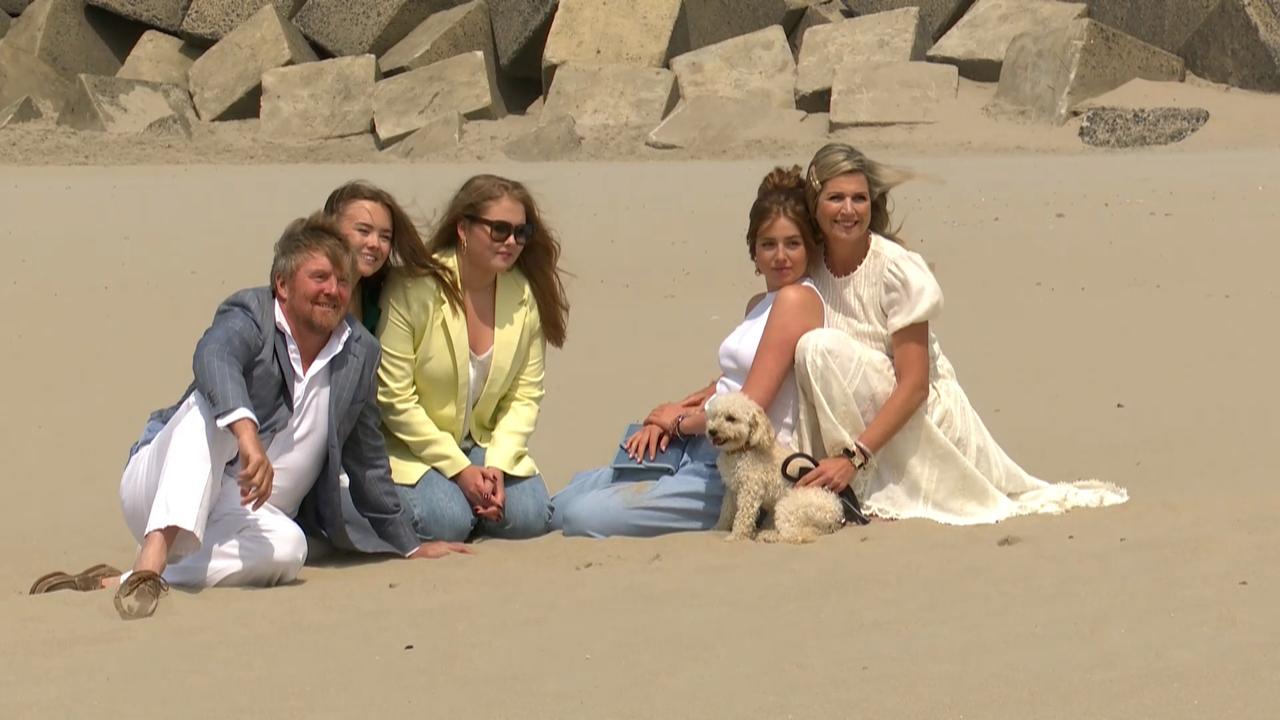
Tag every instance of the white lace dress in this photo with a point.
(943, 464)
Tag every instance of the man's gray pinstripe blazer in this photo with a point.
(242, 362)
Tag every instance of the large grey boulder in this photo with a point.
(125, 107)
(1238, 44)
(208, 21)
(520, 30)
(464, 84)
(5, 22)
(160, 58)
(20, 112)
(1048, 73)
(894, 36)
(756, 66)
(555, 138)
(74, 38)
(441, 135)
(464, 28)
(344, 27)
(724, 122)
(162, 14)
(226, 82)
(613, 32)
(892, 93)
(23, 74)
(1114, 127)
(938, 15)
(1164, 23)
(319, 100)
(978, 43)
(611, 95)
(707, 22)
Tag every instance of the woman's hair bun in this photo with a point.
(782, 180)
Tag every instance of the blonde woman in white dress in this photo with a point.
(878, 399)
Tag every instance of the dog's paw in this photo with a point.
(769, 536)
(736, 537)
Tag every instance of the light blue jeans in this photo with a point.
(440, 511)
(642, 503)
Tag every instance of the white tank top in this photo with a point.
(738, 351)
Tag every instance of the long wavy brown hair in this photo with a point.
(539, 261)
(408, 253)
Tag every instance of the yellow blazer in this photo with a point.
(425, 369)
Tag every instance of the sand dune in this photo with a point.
(1109, 314)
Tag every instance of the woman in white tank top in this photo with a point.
(757, 358)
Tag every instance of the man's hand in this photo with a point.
(833, 473)
(648, 440)
(435, 550)
(256, 474)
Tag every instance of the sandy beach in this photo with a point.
(1106, 312)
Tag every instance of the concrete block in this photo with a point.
(23, 110)
(14, 7)
(319, 100)
(160, 58)
(343, 27)
(208, 21)
(707, 22)
(1114, 127)
(1164, 23)
(555, 138)
(447, 33)
(23, 74)
(938, 15)
(226, 82)
(978, 43)
(1048, 73)
(464, 84)
(612, 32)
(823, 13)
(123, 107)
(162, 14)
(5, 22)
(74, 38)
(1238, 44)
(722, 122)
(892, 93)
(611, 95)
(758, 65)
(442, 134)
(894, 36)
(520, 30)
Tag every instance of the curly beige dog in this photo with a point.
(750, 463)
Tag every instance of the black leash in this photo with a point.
(852, 508)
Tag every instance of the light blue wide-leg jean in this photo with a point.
(440, 511)
(642, 503)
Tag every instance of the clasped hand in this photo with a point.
(485, 490)
(833, 473)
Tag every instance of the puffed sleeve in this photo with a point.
(911, 293)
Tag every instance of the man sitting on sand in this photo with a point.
(220, 486)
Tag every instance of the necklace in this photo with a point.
(862, 256)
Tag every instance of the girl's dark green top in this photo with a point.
(371, 313)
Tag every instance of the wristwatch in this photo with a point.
(858, 456)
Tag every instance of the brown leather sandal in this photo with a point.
(84, 581)
(138, 596)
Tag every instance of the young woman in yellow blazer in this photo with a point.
(461, 375)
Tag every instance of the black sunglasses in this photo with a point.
(500, 230)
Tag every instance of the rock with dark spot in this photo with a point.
(1114, 127)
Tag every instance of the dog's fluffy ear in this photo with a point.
(760, 430)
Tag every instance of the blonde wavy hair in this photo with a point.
(836, 159)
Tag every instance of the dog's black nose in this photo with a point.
(711, 433)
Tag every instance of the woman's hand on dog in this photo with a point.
(833, 473)
(648, 440)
